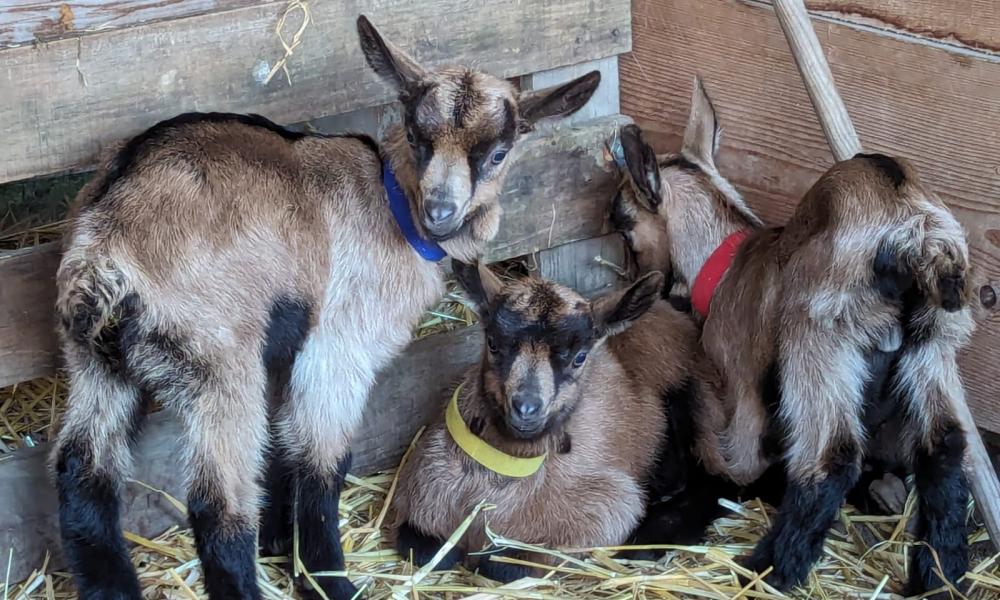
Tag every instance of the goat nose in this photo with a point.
(439, 212)
(526, 409)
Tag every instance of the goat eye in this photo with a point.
(410, 138)
(498, 156)
(491, 345)
(579, 358)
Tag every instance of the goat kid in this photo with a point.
(218, 260)
(578, 413)
(848, 316)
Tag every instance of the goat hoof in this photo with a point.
(274, 541)
(421, 548)
(502, 572)
(890, 493)
(650, 555)
(335, 588)
(776, 578)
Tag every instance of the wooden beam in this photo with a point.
(576, 264)
(65, 99)
(27, 298)
(921, 102)
(557, 191)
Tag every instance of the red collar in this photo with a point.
(713, 270)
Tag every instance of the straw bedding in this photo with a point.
(865, 556)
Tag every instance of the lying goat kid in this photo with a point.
(216, 260)
(846, 318)
(578, 412)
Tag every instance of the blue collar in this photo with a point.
(400, 206)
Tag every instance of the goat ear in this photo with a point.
(557, 101)
(701, 136)
(643, 170)
(391, 63)
(479, 282)
(613, 313)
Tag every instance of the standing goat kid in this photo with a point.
(578, 414)
(217, 260)
(848, 316)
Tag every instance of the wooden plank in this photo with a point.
(407, 396)
(921, 102)
(576, 264)
(27, 299)
(973, 24)
(26, 21)
(557, 191)
(63, 100)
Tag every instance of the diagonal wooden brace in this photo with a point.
(844, 143)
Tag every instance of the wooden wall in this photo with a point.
(919, 78)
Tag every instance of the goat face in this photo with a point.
(538, 337)
(459, 128)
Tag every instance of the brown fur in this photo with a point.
(806, 299)
(192, 235)
(610, 416)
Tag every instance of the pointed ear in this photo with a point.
(701, 136)
(479, 282)
(391, 63)
(643, 169)
(614, 312)
(557, 101)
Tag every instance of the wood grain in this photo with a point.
(65, 99)
(24, 21)
(816, 76)
(924, 103)
(973, 24)
(575, 265)
(557, 191)
(27, 298)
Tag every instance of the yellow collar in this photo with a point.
(483, 453)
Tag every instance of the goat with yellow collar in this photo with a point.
(577, 416)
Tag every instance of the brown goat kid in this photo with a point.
(605, 390)
(255, 279)
(848, 316)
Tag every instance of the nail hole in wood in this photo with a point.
(988, 296)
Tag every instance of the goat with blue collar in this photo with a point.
(255, 279)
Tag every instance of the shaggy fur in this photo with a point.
(857, 306)
(601, 416)
(218, 260)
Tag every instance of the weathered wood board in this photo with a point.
(28, 21)
(64, 99)
(407, 395)
(575, 264)
(557, 191)
(973, 24)
(934, 107)
(27, 298)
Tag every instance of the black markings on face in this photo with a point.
(562, 331)
(416, 133)
(489, 153)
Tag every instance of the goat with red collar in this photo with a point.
(850, 314)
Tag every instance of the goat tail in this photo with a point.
(937, 254)
(91, 290)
